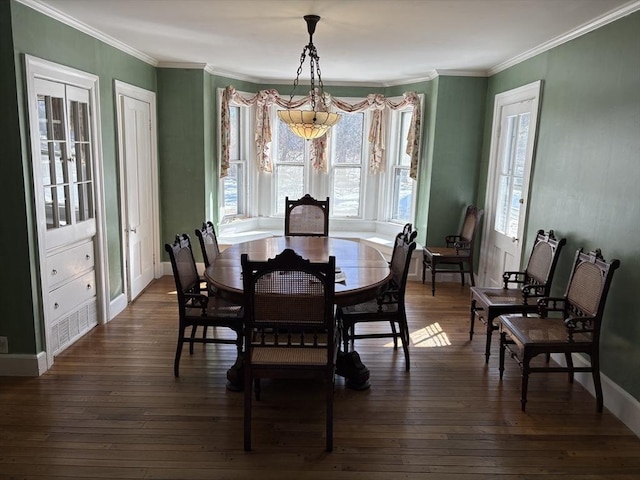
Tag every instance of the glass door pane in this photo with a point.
(80, 146)
(54, 161)
(511, 175)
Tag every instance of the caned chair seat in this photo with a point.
(370, 307)
(520, 289)
(294, 356)
(530, 330)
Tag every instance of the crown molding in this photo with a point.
(84, 28)
(590, 26)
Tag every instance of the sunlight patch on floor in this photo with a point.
(430, 336)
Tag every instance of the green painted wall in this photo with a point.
(457, 139)
(587, 169)
(38, 35)
(17, 288)
(182, 151)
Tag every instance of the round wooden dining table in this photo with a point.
(363, 266)
(364, 269)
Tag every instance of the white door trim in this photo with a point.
(122, 89)
(530, 92)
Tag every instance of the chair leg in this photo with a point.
(472, 319)
(471, 279)
(597, 385)
(193, 335)
(395, 335)
(176, 362)
(433, 280)
(424, 270)
(569, 361)
(525, 380)
(404, 337)
(487, 346)
(329, 393)
(461, 266)
(204, 332)
(256, 385)
(247, 412)
(503, 346)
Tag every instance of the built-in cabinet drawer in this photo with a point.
(64, 299)
(63, 266)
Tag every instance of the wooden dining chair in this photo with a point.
(306, 216)
(195, 307)
(289, 327)
(208, 242)
(457, 252)
(389, 305)
(520, 289)
(565, 325)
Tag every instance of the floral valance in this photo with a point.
(265, 99)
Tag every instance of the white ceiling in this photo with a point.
(365, 42)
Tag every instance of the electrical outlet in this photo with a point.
(4, 345)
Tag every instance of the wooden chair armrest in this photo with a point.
(513, 277)
(197, 300)
(532, 290)
(550, 304)
(579, 325)
(452, 239)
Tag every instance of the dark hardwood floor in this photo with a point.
(110, 408)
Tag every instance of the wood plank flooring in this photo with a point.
(110, 408)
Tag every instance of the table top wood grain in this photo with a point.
(364, 266)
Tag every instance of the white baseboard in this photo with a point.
(118, 304)
(21, 365)
(619, 402)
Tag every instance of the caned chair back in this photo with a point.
(306, 216)
(184, 266)
(543, 259)
(588, 287)
(401, 258)
(208, 243)
(288, 294)
(470, 224)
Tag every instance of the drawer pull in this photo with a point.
(88, 286)
(88, 257)
(54, 272)
(55, 305)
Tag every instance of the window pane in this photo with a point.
(347, 139)
(290, 183)
(346, 192)
(405, 123)
(402, 195)
(234, 133)
(232, 190)
(290, 146)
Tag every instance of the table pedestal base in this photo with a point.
(348, 365)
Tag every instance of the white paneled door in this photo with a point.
(511, 158)
(137, 144)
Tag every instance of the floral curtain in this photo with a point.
(264, 99)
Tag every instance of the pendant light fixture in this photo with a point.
(313, 123)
